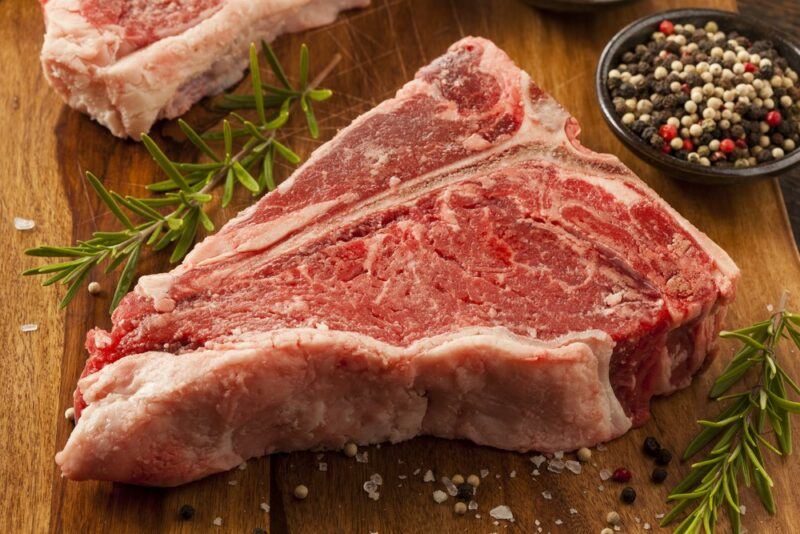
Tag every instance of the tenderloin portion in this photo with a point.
(128, 63)
(453, 263)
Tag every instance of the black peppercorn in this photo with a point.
(651, 446)
(465, 492)
(186, 512)
(628, 495)
(664, 457)
(259, 530)
(627, 90)
(638, 127)
(737, 131)
(658, 475)
(648, 132)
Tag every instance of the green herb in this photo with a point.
(737, 438)
(188, 186)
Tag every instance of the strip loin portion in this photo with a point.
(453, 263)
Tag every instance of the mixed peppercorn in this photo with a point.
(708, 97)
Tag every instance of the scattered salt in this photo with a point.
(23, 224)
(29, 327)
(502, 512)
(513, 474)
(538, 460)
(555, 466)
(233, 482)
(439, 496)
(323, 466)
(472, 505)
(573, 466)
(647, 526)
(742, 509)
(217, 521)
(264, 506)
(484, 473)
(451, 488)
(600, 447)
(428, 477)
(559, 522)
(362, 457)
(497, 476)
(547, 495)
(661, 515)
(377, 479)
(558, 455)
(320, 455)
(573, 511)
(416, 471)
(601, 488)
(242, 466)
(605, 474)
(537, 522)
(374, 495)
(402, 477)
(370, 486)
(535, 472)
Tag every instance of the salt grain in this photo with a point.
(502, 512)
(573, 511)
(374, 495)
(370, 486)
(402, 477)
(242, 466)
(29, 327)
(428, 477)
(605, 474)
(742, 509)
(323, 466)
(547, 495)
(661, 516)
(439, 496)
(451, 488)
(513, 474)
(23, 224)
(484, 473)
(647, 526)
(558, 455)
(573, 466)
(264, 506)
(538, 460)
(362, 457)
(535, 472)
(217, 521)
(233, 482)
(377, 479)
(555, 466)
(472, 505)
(559, 522)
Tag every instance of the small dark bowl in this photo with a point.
(639, 32)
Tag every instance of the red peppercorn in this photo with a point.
(667, 132)
(717, 156)
(666, 27)
(621, 475)
(749, 67)
(741, 143)
(666, 149)
(688, 145)
(685, 88)
(774, 118)
(727, 145)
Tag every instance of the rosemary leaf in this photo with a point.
(126, 278)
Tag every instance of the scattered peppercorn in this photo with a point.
(658, 475)
(94, 288)
(300, 492)
(621, 475)
(584, 454)
(651, 446)
(350, 449)
(628, 495)
(612, 518)
(465, 491)
(457, 479)
(186, 512)
(664, 457)
(708, 97)
(460, 508)
(474, 481)
(607, 531)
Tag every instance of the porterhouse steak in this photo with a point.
(453, 263)
(128, 63)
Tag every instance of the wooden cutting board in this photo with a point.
(45, 149)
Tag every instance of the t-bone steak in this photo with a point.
(453, 263)
(128, 63)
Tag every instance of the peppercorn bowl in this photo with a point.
(739, 137)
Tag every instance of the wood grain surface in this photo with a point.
(45, 149)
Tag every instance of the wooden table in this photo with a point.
(44, 152)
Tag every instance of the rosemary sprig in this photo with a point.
(738, 437)
(188, 185)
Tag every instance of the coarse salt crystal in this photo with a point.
(23, 224)
(535, 472)
(377, 479)
(573, 466)
(559, 522)
(264, 506)
(742, 509)
(573, 511)
(555, 466)
(374, 495)
(661, 516)
(242, 466)
(472, 505)
(601, 488)
(497, 475)
(323, 466)
(513, 474)
(217, 521)
(402, 477)
(502, 512)
(416, 471)
(646, 526)
(484, 473)
(537, 522)
(29, 327)
(451, 488)
(538, 460)
(370, 486)
(558, 455)
(605, 474)
(362, 457)
(233, 482)
(439, 496)
(428, 477)
(547, 495)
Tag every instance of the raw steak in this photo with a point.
(128, 63)
(453, 263)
